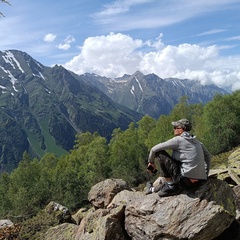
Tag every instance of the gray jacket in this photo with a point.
(186, 148)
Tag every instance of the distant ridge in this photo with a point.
(152, 95)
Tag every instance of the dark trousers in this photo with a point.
(171, 169)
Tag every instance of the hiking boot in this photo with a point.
(148, 188)
(169, 189)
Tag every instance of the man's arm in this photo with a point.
(170, 144)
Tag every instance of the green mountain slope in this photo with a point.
(42, 109)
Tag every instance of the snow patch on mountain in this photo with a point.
(139, 84)
(13, 80)
(177, 83)
(132, 90)
(9, 58)
(40, 75)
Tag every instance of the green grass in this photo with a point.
(49, 141)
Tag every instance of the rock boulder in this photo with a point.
(103, 192)
(202, 214)
(199, 215)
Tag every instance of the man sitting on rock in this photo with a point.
(189, 165)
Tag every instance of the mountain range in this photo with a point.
(152, 95)
(43, 108)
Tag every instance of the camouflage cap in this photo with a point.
(183, 123)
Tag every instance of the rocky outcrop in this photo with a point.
(56, 217)
(231, 172)
(59, 212)
(203, 214)
(103, 224)
(120, 213)
(209, 213)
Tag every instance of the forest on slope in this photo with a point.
(68, 179)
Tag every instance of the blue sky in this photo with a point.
(192, 39)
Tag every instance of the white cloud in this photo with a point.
(212, 31)
(119, 7)
(64, 46)
(233, 38)
(109, 55)
(116, 54)
(50, 37)
(121, 15)
(66, 43)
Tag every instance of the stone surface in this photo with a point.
(6, 223)
(61, 213)
(231, 233)
(234, 160)
(203, 214)
(236, 189)
(102, 193)
(80, 214)
(65, 231)
(103, 224)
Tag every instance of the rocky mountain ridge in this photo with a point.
(152, 95)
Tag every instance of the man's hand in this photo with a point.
(151, 168)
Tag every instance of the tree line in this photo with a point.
(68, 179)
